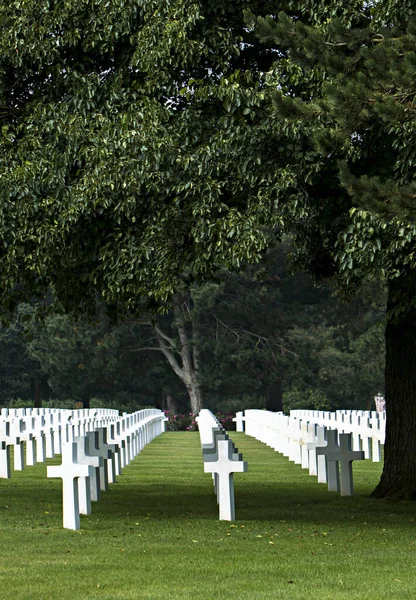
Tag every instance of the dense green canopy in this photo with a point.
(115, 180)
(362, 114)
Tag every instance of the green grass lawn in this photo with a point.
(155, 534)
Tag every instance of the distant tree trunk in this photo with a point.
(187, 350)
(37, 394)
(398, 479)
(274, 397)
(171, 404)
(195, 396)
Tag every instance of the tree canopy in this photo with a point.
(115, 181)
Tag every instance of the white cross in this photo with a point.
(114, 437)
(89, 488)
(97, 447)
(210, 450)
(239, 421)
(377, 436)
(89, 444)
(30, 441)
(70, 471)
(40, 438)
(17, 428)
(307, 435)
(4, 449)
(224, 467)
(317, 464)
(111, 449)
(343, 455)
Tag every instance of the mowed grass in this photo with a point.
(156, 535)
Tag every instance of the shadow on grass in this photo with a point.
(276, 503)
(167, 481)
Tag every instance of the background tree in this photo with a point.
(82, 361)
(263, 338)
(273, 337)
(20, 375)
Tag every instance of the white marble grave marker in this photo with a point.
(113, 433)
(30, 441)
(17, 428)
(224, 467)
(97, 447)
(70, 471)
(88, 487)
(341, 455)
(4, 449)
(317, 464)
(239, 421)
(110, 461)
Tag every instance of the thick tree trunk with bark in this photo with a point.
(398, 479)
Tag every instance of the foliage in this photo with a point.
(307, 399)
(51, 403)
(266, 329)
(258, 332)
(226, 420)
(180, 422)
(116, 162)
(20, 375)
(85, 360)
(362, 114)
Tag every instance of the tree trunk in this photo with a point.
(37, 393)
(195, 396)
(188, 367)
(398, 479)
(171, 404)
(274, 397)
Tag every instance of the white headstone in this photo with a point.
(70, 471)
(340, 454)
(224, 467)
(239, 421)
(317, 464)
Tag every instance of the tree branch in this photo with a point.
(178, 308)
(163, 335)
(170, 356)
(146, 348)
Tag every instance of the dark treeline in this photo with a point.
(260, 338)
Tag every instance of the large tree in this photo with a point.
(361, 111)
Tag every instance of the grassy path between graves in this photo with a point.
(156, 535)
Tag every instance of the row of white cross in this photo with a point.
(368, 428)
(95, 446)
(222, 460)
(326, 453)
(41, 433)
